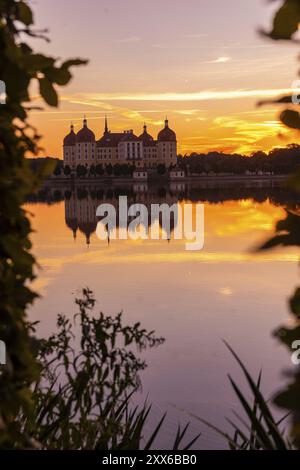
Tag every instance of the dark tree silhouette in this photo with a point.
(161, 169)
(109, 169)
(67, 170)
(99, 170)
(20, 67)
(81, 171)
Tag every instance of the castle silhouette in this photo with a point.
(120, 148)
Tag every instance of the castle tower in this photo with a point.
(85, 146)
(149, 149)
(167, 146)
(69, 149)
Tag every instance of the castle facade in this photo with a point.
(120, 148)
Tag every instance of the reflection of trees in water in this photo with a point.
(209, 192)
(277, 195)
(81, 202)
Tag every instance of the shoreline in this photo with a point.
(166, 179)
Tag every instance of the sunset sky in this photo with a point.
(200, 62)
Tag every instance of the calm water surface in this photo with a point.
(193, 299)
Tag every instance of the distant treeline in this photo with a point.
(280, 161)
(278, 195)
(82, 171)
(38, 163)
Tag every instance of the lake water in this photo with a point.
(193, 299)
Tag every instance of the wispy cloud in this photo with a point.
(89, 102)
(123, 112)
(248, 135)
(188, 112)
(220, 60)
(204, 95)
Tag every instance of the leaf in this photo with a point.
(286, 20)
(277, 240)
(281, 100)
(192, 442)
(295, 303)
(48, 92)
(290, 118)
(216, 429)
(287, 232)
(37, 62)
(46, 168)
(266, 413)
(288, 335)
(261, 432)
(74, 62)
(154, 434)
(61, 76)
(24, 13)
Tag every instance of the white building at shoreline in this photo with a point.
(119, 148)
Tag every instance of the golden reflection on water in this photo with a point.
(194, 299)
(232, 231)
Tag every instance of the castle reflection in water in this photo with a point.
(81, 204)
(81, 200)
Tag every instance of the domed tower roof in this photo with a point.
(166, 134)
(147, 139)
(73, 225)
(87, 228)
(85, 134)
(71, 138)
